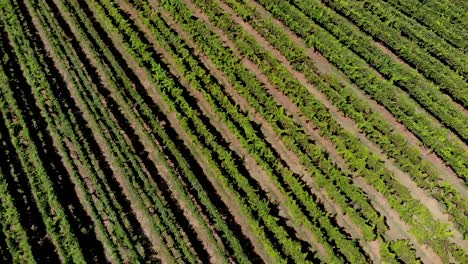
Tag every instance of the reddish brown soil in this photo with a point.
(239, 218)
(288, 157)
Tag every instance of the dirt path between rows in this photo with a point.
(249, 162)
(106, 153)
(225, 196)
(87, 182)
(398, 229)
(289, 157)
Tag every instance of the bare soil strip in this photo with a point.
(289, 157)
(234, 208)
(442, 168)
(163, 171)
(397, 228)
(83, 173)
(372, 249)
(434, 206)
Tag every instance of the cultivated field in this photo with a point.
(234, 131)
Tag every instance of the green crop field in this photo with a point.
(234, 131)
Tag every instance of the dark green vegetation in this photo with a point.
(233, 131)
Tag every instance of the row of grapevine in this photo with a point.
(434, 20)
(404, 193)
(383, 181)
(150, 118)
(398, 251)
(403, 108)
(449, 81)
(166, 214)
(17, 179)
(49, 117)
(103, 206)
(53, 213)
(16, 242)
(400, 75)
(233, 118)
(371, 123)
(311, 155)
(16, 238)
(221, 159)
(453, 12)
(423, 38)
(233, 131)
(143, 187)
(219, 52)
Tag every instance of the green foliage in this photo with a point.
(440, 66)
(370, 122)
(399, 251)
